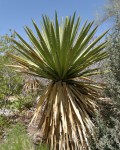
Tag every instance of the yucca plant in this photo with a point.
(63, 53)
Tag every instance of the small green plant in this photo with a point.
(41, 147)
(22, 103)
(18, 139)
(4, 124)
(3, 121)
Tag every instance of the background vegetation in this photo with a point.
(108, 121)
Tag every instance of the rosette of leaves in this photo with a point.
(63, 53)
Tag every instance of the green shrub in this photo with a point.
(21, 102)
(107, 135)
